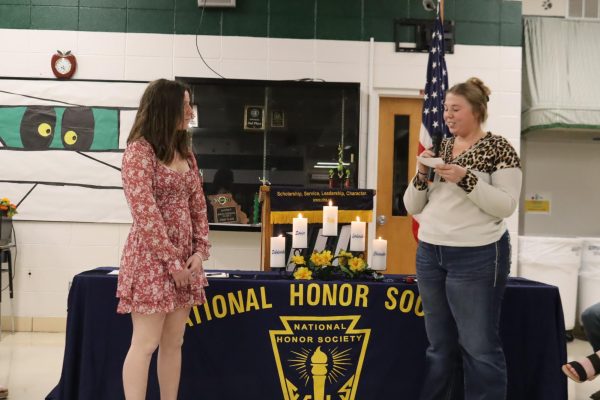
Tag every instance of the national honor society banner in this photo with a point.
(287, 202)
(314, 341)
(262, 336)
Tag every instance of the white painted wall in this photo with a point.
(565, 165)
(54, 252)
(50, 254)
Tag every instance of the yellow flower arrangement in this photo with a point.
(298, 260)
(7, 209)
(357, 264)
(320, 266)
(343, 257)
(321, 259)
(303, 273)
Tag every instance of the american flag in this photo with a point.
(435, 91)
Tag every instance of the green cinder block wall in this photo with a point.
(478, 22)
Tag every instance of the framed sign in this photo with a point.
(277, 119)
(226, 214)
(254, 118)
(226, 210)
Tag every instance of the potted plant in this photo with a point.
(7, 210)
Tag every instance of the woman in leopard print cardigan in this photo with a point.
(463, 257)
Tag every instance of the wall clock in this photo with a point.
(63, 64)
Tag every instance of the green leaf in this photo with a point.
(346, 271)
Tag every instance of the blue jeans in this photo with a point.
(461, 289)
(591, 323)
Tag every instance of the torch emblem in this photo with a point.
(319, 358)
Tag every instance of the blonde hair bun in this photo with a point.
(479, 83)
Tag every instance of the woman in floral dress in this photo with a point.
(161, 274)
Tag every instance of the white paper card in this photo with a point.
(430, 161)
(217, 275)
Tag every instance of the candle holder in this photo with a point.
(277, 250)
(358, 232)
(299, 232)
(379, 259)
(330, 220)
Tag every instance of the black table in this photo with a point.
(261, 336)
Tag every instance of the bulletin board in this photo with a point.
(61, 147)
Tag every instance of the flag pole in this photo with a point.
(436, 83)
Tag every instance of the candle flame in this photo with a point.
(330, 203)
(299, 215)
(358, 219)
(379, 237)
(280, 235)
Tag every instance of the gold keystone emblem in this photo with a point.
(319, 358)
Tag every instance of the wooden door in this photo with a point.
(399, 125)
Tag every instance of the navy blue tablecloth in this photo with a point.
(261, 335)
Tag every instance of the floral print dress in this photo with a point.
(169, 225)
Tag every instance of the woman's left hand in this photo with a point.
(194, 264)
(451, 172)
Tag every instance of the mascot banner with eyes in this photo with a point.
(61, 146)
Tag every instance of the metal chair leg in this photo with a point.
(1, 260)
(12, 316)
(11, 291)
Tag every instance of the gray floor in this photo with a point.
(30, 365)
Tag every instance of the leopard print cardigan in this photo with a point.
(488, 155)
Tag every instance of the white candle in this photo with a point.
(330, 220)
(278, 252)
(299, 235)
(357, 235)
(379, 254)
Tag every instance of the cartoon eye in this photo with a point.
(77, 128)
(44, 129)
(70, 138)
(37, 127)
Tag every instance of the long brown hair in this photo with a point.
(476, 93)
(158, 118)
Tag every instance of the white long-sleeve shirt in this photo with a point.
(472, 211)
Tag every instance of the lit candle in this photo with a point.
(299, 236)
(357, 235)
(330, 220)
(278, 252)
(379, 254)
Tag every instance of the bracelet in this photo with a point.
(421, 173)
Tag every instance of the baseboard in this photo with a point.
(49, 324)
(34, 324)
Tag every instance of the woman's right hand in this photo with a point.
(182, 278)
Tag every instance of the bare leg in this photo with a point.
(169, 353)
(147, 330)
